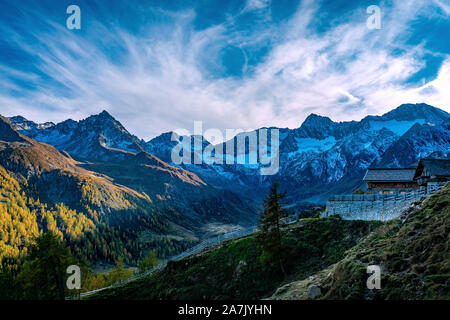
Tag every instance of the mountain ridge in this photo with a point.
(121, 199)
(318, 158)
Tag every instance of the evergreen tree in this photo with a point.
(43, 275)
(120, 273)
(270, 225)
(149, 262)
(8, 270)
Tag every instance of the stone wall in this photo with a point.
(374, 206)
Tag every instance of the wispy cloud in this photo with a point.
(256, 4)
(444, 6)
(170, 73)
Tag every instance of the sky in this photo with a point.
(158, 66)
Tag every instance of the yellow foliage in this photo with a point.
(22, 218)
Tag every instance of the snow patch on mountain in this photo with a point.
(398, 127)
(313, 145)
(319, 158)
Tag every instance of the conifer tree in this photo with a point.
(43, 275)
(149, 262)
(270, 224)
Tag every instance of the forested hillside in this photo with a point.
(42, 190)
(90, 235)
(329, 253)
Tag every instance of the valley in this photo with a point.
(111, 196)
(328, 253)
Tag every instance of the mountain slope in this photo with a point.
(42, 186)
(181, 193)
(234, 269)
(26, 156)
(323, 157)
(318, 159)
(22, 217)
(420, 141)
(105, 146)
(413, 252)
(98, 137)
(333, 254)
(170, 203)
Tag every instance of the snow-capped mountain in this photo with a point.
(163, 145)
(323, 157)
(319, 158)
(116, 159)
(142, 200)
(98, 137)
(420, 141)
(20, 123)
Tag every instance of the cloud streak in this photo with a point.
(169, 74)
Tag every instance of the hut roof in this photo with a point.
(390, 175)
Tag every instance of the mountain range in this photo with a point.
(131, 187)
(323, 157)
(317, 159)
(105, 201)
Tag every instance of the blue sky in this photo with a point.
(160, 65)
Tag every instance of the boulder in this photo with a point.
(314, 291)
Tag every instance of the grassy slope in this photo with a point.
(233, 270)
(413, 252)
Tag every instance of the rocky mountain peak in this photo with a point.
(411, 112)
(7, 133)
(316, 126)
(21, 123)
(101, 118)
(105, 115)
(16, 119)
(315, 119)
